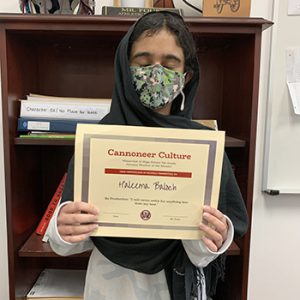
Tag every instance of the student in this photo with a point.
(158, 47)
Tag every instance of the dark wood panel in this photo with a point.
(208, 102)
(238, 85)
(75, 67)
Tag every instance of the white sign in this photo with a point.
(293, 76)
(294, 8)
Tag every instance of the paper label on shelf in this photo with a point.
(35, 125)
(294, 89)
(294, 8)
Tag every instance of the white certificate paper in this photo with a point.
(148, 182)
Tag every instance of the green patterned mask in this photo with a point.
(156, 85)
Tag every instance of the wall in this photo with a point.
(274, 265)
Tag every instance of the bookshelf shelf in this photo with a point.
(44, 142)
(68, 56)
(35, 247)
(230, 142)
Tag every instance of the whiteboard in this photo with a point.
(282, 147)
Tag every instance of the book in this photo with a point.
(41, 97)
(134, 11)
(45, 237)
(58, 284)
(42, 227)
(50, 125)
(64, 110)
(46, 135)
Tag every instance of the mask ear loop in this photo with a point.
(183, 100)
(183, 96)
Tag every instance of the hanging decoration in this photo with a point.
(81, 7)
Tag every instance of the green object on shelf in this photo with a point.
(46, 136)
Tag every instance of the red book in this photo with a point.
(42, 227)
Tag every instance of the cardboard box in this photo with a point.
(120, 3)
(226, 8)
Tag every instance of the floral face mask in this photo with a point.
(157, 85)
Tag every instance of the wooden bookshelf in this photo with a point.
(69, 56)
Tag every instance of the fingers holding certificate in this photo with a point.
(76, 221)
(148, 182)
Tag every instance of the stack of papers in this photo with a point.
(58, 284)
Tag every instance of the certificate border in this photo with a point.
(86, 162)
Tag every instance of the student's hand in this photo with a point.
(76, 221)
(215, 232)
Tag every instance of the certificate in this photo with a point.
(148, 182)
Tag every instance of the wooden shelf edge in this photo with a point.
(234, 249)
(35, 247)
(44, 142)
(71, 19)
(230, 142)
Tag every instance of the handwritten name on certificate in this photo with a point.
(148, 182)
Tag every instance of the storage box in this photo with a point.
(133, 3)
(226, 8)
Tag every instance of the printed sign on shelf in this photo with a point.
(226, 8)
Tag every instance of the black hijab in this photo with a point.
(153, 255)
